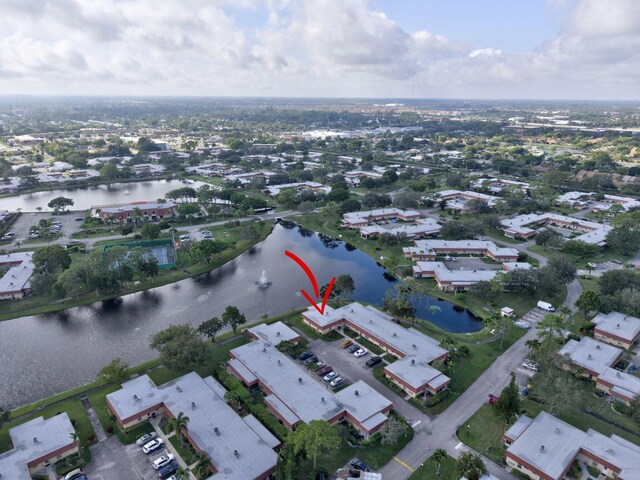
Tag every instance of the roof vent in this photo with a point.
(236, 453)
(413, 361)
(598, 347)
(589, 356)
(618, 325)
(35, 440)
(322, 399)
(414, 345)
(178, 388)
(264, 349)
(135, 397)
(357, 393)
(216, 430)
(277, 334)
(618, 374)
(394, 334)
(193, 405)
(299, 380)
(541, 448)
(557, 430)
(279, 362)
(609, 450)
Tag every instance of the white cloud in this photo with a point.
(319, 47)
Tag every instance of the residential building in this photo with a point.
(413, 372)
(294, 395)
(617, 329)
(360, 219)
(544, 448)
(423, 227)
(354, 177)
(274, 190)
(10, 184)
(4, 216)
(596, 360)
(126, 212)
(15, 283)
(147, 169)
(498, 185)
(248, 177)
(431, 249)
(526, 226)
(457, 200)
(239, 448)
(213, 170)
(37, 444)
(452, 280)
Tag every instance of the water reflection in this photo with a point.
(45, 354)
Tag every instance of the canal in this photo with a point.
(45, 354)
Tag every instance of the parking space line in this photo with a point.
(404, 464)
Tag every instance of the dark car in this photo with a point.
(305, 355)
(79, 219)
(169, 469)
(360, 465)
(311, 360)
(324, 370)
(353, 348)
(373, 361)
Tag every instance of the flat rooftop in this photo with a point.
(52, 434)
(254, 444)
(618, 324)
(591, 354)
(17, 277)
(294, 389)
(274, 333)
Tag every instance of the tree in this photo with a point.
(288, 197)
(624, 239)
(344, 285)
(115, 372)
(397, 303)
(564, 268)
(615, 280)
(181, 474)
(470, 466)
(187, 210)
(202, 467)
(588, 301)
(635, 411)
(315, 437)
(178, 424)
(210, 328)
(549, 328)
(438, 456)
(580, 249)
(180, 348)
(233, 317)
(126, 230)
(508, 405)
(150, 231)
(51, 259)
(4, 415)
(109, 171)
(60, 203)
(392, 431)
(206, 249)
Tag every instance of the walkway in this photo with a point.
(93, 417)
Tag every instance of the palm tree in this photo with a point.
(178, 424)
(137, 215)
(202, 465)
(439, 455)
(181, 474)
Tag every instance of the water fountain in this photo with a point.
(262, 281)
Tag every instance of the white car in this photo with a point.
(321, 364)
(160, 462)
(336, 381)
(330, 376)
(153, 445)
(530, 366)
(360, 353)
(146, 438)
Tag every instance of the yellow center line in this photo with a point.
(403, 464)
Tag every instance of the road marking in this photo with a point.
(458, 446)
(416, 424)
(404, 464)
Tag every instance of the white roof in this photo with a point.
(485, 245)
(298, 186)
(591, 354)
(256, 455)
(623, 383)
(275, 332)
(380, 212)
(455, 277)
(618, 324)
(596, 232)
(51, 434)
(17, 277)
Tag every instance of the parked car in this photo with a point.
(75, 475)
(346, 343)
(522, 324)
(353, 348)
(310, 360)
(321, 364)
(493, 399)
(361, 352)
(324, 370)
(305, 355)
(79, 219)
(336, 381)
(359, 465)
(162, 461)
(529, 365)
(146, 438)
(153, 445)
(168, 469)
(7, 237)
(330, 376)
(373, 361)
(545, 306)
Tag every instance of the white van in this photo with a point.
(546, 306)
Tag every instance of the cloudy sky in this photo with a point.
(573, 49)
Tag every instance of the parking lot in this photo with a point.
(27, 220)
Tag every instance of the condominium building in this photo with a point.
(617, 329)
(526, 226)
(361, 219)
(430, 249)
(126, 212)
(15, 283)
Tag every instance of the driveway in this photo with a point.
(110, 460)
(22, 225)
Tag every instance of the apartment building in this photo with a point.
(617, 329)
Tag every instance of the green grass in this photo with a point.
(428, 470)
(483, 432)
(370, 346)
(183, 450)
(76, 413)
(589, 283)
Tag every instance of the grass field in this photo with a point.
(430, 469)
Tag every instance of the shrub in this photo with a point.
(110, 428)
(91, 437)
(573, 336)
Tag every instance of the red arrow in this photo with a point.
(314, 283)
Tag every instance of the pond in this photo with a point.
(45, 354)
(85, 198)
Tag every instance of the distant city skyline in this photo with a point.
(489, 49)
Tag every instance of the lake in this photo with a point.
(85, 198)
(45, 354)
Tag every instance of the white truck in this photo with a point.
(546, 306)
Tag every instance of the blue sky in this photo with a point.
(547, 49)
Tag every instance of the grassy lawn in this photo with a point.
(370, 346)
(76, 413)
(184, 451)
(483, 432)
(589, 283)
(375, 456)
(429, 469)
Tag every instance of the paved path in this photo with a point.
(93, 417)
